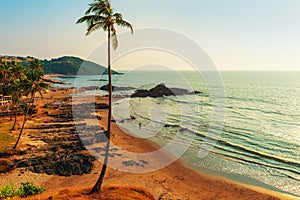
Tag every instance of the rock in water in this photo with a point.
(161, 90)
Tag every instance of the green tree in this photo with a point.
(16, 88)
(5, 68)
(100, 16)
(1, 75)
(32, 84)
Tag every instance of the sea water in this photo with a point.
(260, 141)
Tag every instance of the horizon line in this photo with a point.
(217, 68)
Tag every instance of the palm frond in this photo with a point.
(118, 16)
(98, 7)
(90, 19)
(94, 22)
(122, 23)
(94, 27)
(114, 38)
(106, 26)
(101, 16)
(92, 5)
(83, 19)
(40, 92)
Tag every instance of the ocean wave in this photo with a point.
(245, 159)
(268, 157)
(253, 100)
(262, 110)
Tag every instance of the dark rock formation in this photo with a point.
(53, 81)
(64, 152)
(62, 165)
(5, 165)
(90, 88)
(161, 90)
(99, 80)
(116, 88)
(101, 106)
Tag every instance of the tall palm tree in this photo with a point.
(101, 16)
(5, 68)
(16, 88)
(1, 75)
(32, 84)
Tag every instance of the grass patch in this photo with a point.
(26, 189)
(48, 109)
(6, 139)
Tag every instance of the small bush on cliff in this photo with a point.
(26, 189)
(7, 192)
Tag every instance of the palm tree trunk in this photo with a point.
(21, 131)
(2, 92)
(14, 112)
(32, 102)
(24, 121)
(11, 113)
(15, 121)
(97, 187)
(13, 109)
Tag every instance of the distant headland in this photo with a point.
(66, 65)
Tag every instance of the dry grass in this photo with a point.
(6, 139)
(108, 193)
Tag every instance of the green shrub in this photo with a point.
(7, 192)
(25, 190)
(28, 189)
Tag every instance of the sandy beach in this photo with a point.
(176, 181)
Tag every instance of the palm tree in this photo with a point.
(5, 68)
(100, 15)
(32, 84)
(1, 75)
(16, 88)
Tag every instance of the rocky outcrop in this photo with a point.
(5, 165)
(53, 81)
(62, 165)
(91, 88)
(161, 90)
(63, 151)
(116, 88)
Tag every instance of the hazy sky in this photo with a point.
(236, 34)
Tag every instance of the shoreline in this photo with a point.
(185, 166)
(245, 181)
(252, 184)
(248, 182)
(178, 180)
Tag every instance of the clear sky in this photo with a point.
(236, 34)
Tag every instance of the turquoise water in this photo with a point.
(261, 134)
